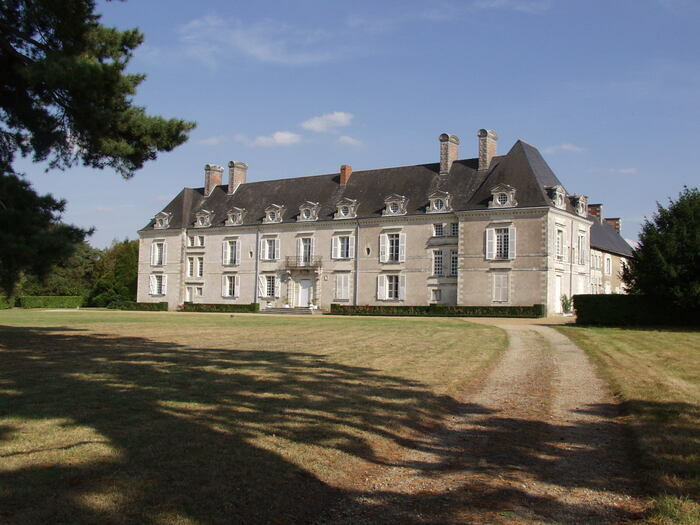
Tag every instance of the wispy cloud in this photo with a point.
(213, 141)
(278, 138)
(211, 39)
(345, 139)
(568, 148)
(328, 122)
(524, 6)
(623, 171)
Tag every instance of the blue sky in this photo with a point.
(607, 90)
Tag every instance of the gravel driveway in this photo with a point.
(539, 440)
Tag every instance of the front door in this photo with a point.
(304, 292)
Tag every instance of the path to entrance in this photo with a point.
(537, 441)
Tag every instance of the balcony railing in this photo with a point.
(296, 262)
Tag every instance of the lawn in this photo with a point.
(657, 376)
(116, 417)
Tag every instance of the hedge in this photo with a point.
(232, 308)
(630, 310)
(145, 307)
(440, 310)
(50, 301)
(4, 303)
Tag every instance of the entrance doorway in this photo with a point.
(304, 293)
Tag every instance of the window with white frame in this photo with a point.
(454, 263)
(195, 241)
(454, 229)
(500, 243)
(437, 262)
(438, 230)
(343, 247)
(436, 295)
(342, 286)
(231, 252)
(392, 247)
(230, 285)
(608, 265)
(581, 248)
(391, 287)
(500, 287)
(269, 249)
(158, 253)
(195, 266)
(157, 284)
(305, 249)
(270, 286)
(392, 290)
(559, 248)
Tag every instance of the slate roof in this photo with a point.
(522, 167)
(605, 238)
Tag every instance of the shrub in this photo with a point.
(50, 301)
(629, 310)
(232, 308)
(440, 310)
(144, 307)
(4, 303)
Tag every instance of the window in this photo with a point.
(158, 283)
(231, 252)
(395, 205)
(269, 249)
(342, 286)
(305, 250)
(436, 295)
(158, 253)
(199, 290)
(500, 287)
(500, 243)
(195, 266)
(230, 286)
(438, 230)
(502, 198)
(437, 262)
(162, 220)
(438, 204)
(343, 247)
(270, 283)
(454, 263)
(560, 244)
(608, 265)
(391, 287)
(392, 247)
(195, 241)
(345, 209)
(392, 291)
(454, 229)
(581, 248)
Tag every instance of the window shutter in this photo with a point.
(339, 286)
(263, 251)
(300, 248)
(224, 252)
(165, 253)
(565, 247)
(383, 242)
(277, 286)
(351, 247)
(152, 284)
(381, 287)
(236, 286)
(402, 247)
(277, 248)
(238, 252)
(490, 243)
(312, 248)
(335, 244)
(165, 284)
(346, 286)
(292, 292)
(261, 286)
(153, 254)
(224, 286)
(402, 287)
(511, 242)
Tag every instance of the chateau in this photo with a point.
(492, 230)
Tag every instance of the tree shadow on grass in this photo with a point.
(196, 435)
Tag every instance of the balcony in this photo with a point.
(301, 262)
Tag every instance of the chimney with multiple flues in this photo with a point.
(488, 139)
(212, 178)
(345, 172)
(237, 172)
(596, 210)
(449, 151)
(615, 222)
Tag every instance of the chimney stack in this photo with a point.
(615, 223)
(596, 210)
(212, 178)
(449, 151)
(345, 172)
(237, 172)
(488, 139)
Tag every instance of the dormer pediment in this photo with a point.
(580, 204)
(439, 202)
(235, 216)
(162, 220)
(346, 208)
(202, 218)
(558, 195)
(308, 211)
(273, 213)
(503, 196)
(394, 204)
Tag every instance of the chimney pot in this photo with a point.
(615, 222)
(596, 210)
(488, 140)
(237, 173)
(449, 151)
(212, 178)
(345, 172)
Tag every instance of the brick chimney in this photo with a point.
(237, 172)
(488, 139)
(596, 210)
(212, 178)
(345, 172)
(615, 223)
(449, 151)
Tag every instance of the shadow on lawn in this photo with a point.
(201, 464)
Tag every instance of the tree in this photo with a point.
(116, 274)
(666, 264)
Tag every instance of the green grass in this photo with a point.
(149, 417)
(656, 373)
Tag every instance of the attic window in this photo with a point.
(234, 216)
(162, 220)
(439, 202)
(580, 203)
(395, 205)
(202, 219)
(346, 209)
(309, 211)
(503, 196)
(273, 213)
(272, 216)
(306, 213)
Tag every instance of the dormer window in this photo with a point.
(202, 219)
(503, 196)
(162, 220)
(395, 205)
(580, 204)
(273, 214)
(346, 209)
(439, 202)
(234, 216)
(557, 194)
(309, 211)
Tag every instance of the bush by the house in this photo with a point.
(222, 308)
(630, 310)
(50, 301)
(144, 307)
(4, 303)
(440, 310)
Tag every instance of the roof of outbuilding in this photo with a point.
(605, 238)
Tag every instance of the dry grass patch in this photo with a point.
(115, 417)
(657, 375)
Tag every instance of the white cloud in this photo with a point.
(278, 138)
(623, 171)
(328, 122)
(524, 6)
(212, 141)
(212, 38)
(345, 139)
(571, 148)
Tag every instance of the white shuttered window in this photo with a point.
(342, 286)
(230, 286)
(500, 287)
